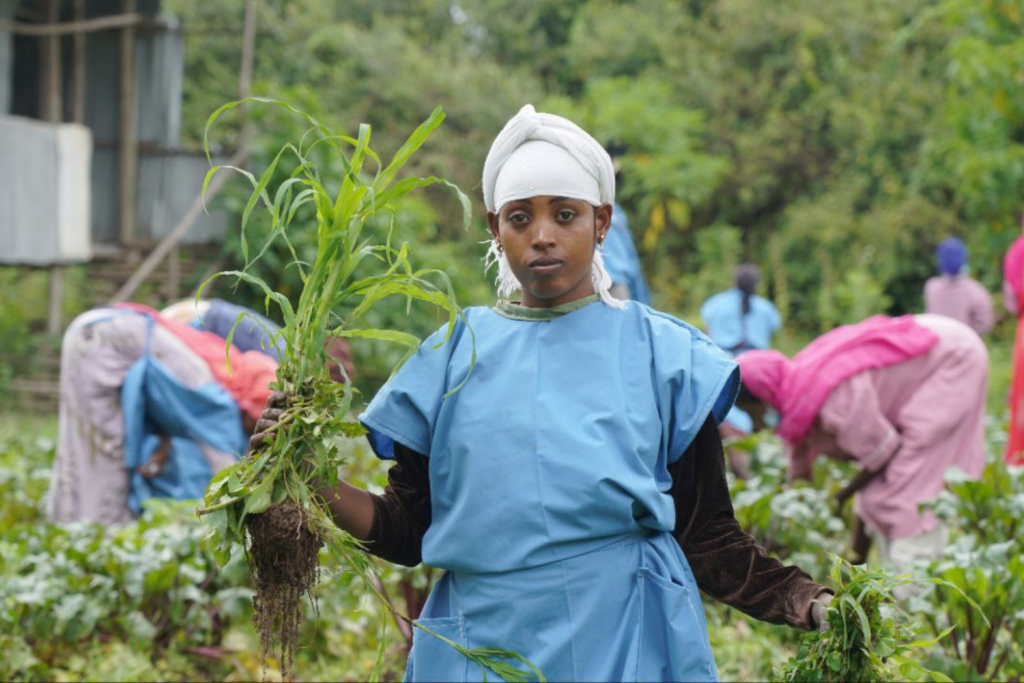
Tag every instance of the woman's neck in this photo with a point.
(516, 311)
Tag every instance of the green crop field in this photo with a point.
(147, 602)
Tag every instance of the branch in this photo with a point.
(107, 23)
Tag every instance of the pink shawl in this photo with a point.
(1013, 270)
(797, 388)
(248, 381)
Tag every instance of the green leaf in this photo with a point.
(352, 429)
(282, 300)
(259, 498)
(929, 643)
(394, 336)
(405, 152)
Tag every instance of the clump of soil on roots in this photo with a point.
(282, 558)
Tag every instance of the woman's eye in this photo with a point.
(566, 215)
(518, 218)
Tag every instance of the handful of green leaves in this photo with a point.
(866, 639)
(267, 503)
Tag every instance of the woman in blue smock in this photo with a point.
(573, 487)
(739, 320)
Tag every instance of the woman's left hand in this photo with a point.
(156, 462)
(819, 613)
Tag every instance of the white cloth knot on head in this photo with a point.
(583, 168)
(543, 154)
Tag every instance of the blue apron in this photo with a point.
(550, 490)
(154, 400)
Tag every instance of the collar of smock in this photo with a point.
(514, 311)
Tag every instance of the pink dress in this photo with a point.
(919, 417)
(962, 298)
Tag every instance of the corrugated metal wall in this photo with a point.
(168, 184)
(168, 178)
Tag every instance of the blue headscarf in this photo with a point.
(952, 256)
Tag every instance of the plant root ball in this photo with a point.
(283, 559)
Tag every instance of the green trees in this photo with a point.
(833, 144)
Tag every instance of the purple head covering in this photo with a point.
(952, 256)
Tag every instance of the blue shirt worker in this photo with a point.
(622, 261)
(739, 320)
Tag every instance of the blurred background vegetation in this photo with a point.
(833, 144)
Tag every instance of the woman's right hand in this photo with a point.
(277, 403)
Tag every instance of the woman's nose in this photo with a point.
(544, 234)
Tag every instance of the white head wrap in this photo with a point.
(186, 310)
(543, 154)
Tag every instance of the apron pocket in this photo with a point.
(673, 641)
(432, 659)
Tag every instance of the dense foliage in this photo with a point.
(834, 145)
(147, 602)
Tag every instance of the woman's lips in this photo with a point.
(545, 264)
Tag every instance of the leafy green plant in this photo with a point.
(792, 522)
(24, 479)
(148, 585)
(147, 601)
(986, 560)
(267, 502)
(866, 640)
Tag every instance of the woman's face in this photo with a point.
(549, 243)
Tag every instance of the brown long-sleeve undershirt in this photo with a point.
(726, 561)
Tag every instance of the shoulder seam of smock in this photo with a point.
(730, 366)
(694, 332)
(709, 405)
(390, 431)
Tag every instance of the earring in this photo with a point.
(501, 249)
(600, 244)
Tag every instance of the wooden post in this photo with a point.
(78, 67)
(68, 28)
(245, 70)
(51, 108)
(50, 100)
(174, 275)
(55, 301)
(127, 147)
